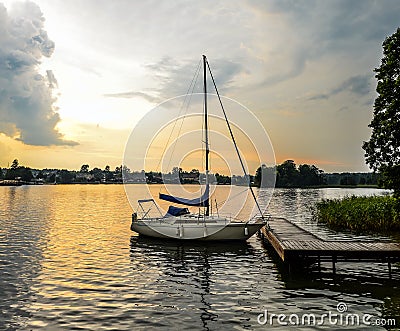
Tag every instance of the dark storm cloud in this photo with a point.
(27, 110)
(337, 19)
(359, 85)
(324, 28)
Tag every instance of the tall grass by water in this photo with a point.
(361, 214)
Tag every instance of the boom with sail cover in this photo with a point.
(202, 201)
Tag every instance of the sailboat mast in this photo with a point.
(206, 128)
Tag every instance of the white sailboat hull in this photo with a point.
(181, 229)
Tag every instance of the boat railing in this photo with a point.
(143, 213)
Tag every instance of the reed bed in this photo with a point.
(360, 214)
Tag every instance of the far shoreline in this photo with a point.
(191, 184)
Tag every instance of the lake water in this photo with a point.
(68, 261)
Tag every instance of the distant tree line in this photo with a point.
(353, 179)
(61, 176)
(287, 174)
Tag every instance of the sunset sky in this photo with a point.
(77, 76)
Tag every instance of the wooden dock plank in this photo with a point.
(291, 242)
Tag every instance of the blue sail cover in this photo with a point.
(200, 202)
(176, 211)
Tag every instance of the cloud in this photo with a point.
(359, 85)
(174, 77)
(133, 94)
(316, 30)
(335, 20)
(27, 110)
(51, 79)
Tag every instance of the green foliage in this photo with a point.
(382, 151)
(265, 176)
(21, 173)
(390, 178)
(107, 173)
(18, 172)
(97, 174)
(85, 168)
(351, 179)
(361, 214)
(348, 180)
(66, 177)
(288, 174)
(118, 174)
(222, 179)
(310, 175)
(51, 178)
(14, 164)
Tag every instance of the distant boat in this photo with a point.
(178, 222)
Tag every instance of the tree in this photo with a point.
(25, 174)
(51, 178)
(176, 175)
(97, 174)
(66, 177)
(21, 173)
(85, 168)
(40, 175)
(309, 175)
(265, 176)
(287, 174)
(382, 151)
(14, 164)
(107, 173)
(118, 174)
(348, 179)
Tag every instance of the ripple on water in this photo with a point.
(69, 262)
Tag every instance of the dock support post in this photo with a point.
(390, 269)
(319, 263)
(334, 264)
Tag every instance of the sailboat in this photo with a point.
(179, 223)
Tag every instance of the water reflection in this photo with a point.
(69, 261)
(22, 242)
(186, 267)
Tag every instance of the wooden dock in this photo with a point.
(296, 245)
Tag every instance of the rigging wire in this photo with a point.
(233, 197)
(191, 87)
(233, 140)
